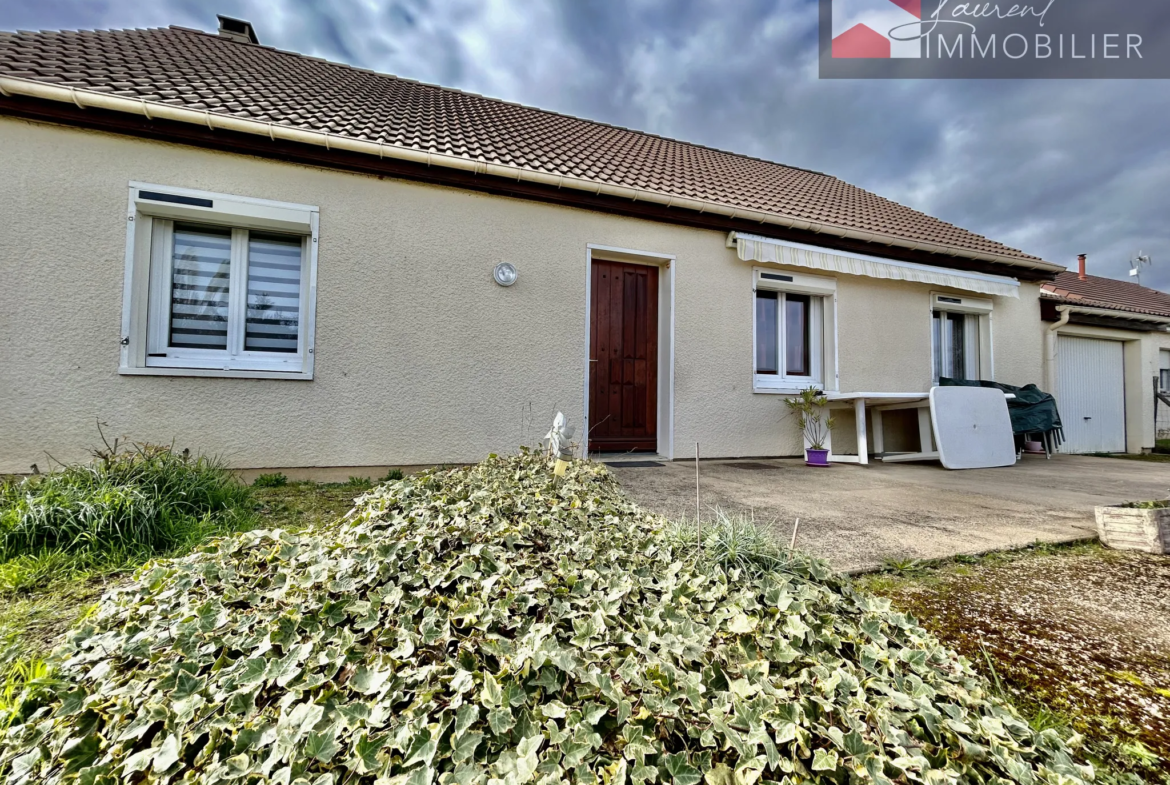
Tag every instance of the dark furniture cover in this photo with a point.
(1032, 410)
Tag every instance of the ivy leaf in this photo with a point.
(80, 753)
(321, 746)
(644, 773)
(681, 772)
(491, 694)
(461, 682)
(501, 721)
(465, 717)
(253, 671)
(463, 748)
(367, 680)
(365, 751)
(720, 774)
(741, 624)
(167, 755)
(187, 685)
(855, 745)
(423, 749)
(824, 760)
(526, 759)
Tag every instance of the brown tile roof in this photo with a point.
(210, 73)
(1098, 292)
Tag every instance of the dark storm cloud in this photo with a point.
(1053, 167)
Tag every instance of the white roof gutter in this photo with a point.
(1089, 310)
(152, 110)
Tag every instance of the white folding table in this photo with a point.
(878, 402)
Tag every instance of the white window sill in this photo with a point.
(302, 376)
(794, 390)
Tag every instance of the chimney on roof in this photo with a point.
(1081, 259)
(236, 29)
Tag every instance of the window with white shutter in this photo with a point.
(218, 285)
(794, 332)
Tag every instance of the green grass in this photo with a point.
(270, 480)
(125, 505)
(1149, 457)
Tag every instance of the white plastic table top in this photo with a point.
(972, 427)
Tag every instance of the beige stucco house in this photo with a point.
(296, 263)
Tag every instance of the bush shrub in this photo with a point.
(276, 480)
(393, 475)
(137, 501)
(493, 626)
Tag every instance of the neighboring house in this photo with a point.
(290, 262)
(1108, 347)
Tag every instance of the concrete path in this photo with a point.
(858, 517)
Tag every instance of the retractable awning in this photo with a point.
(754, 248)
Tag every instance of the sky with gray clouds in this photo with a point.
(1053, 167)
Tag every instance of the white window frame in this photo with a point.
(146, 296)
(977, 312)
(822, 293)
(1164, 369)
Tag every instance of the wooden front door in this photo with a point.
(623, 364)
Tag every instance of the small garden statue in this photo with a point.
(815, 426)
(559, 443)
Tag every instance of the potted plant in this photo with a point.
(809, 409)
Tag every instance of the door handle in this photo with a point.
(593, 361)
(1088, 418)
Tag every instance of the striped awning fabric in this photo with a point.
(754, 248)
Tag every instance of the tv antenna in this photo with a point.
(1135, 265)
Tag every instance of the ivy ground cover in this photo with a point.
(494, 626)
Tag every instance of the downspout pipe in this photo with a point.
(1065, 312)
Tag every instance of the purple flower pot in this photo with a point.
(817, 457)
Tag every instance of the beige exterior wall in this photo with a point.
(420, 358)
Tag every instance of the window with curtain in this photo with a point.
(274, 293)
(233, 297)
(955, 345)
(788, 337)
(200, 287)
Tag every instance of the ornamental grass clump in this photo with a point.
(493, 626)
(128, 502)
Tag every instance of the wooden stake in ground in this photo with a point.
(696, 485)
(795, 528)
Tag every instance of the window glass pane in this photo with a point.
(767, 333)
(200, 270)
(797, 357)
(936, 345)
(958, 346)
(274, 293)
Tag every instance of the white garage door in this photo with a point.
(1091, 394)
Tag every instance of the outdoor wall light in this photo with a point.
(505, 274)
